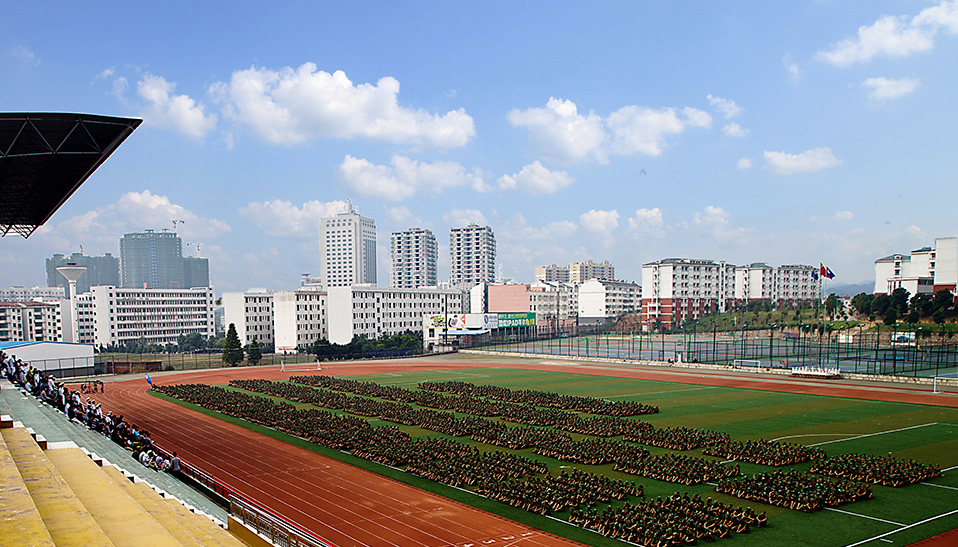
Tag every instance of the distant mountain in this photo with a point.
(851, 289)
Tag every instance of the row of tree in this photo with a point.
(901, 305)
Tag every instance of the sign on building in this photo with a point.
(517, 319)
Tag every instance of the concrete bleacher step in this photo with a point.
(20, 520)
(6, 422)
(123, 520)
(187, 527)
(67, 521)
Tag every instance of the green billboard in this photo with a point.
(517, 319)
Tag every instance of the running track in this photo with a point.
(350, 506)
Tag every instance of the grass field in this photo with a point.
(838, 425)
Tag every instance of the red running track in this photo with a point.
(350, 506)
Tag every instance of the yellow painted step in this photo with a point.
(123, 520)
(187, 527)
(20, 521)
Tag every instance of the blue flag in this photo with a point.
(148, 379)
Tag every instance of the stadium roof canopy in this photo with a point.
(45, 157)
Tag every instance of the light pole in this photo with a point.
(713, 341)
(858, 360)
(917, 349)
(771, 353)
(744, 335)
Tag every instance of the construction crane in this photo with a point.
(175, 221)
(197, 245)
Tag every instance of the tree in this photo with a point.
(891, 315)
(254, 353)
(232, 350)
(899, 299)
(863, 304)
(831, 305)
(943, 300)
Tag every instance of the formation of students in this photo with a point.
(475, 467)
(678, 468)
(553, 494)
(677, 438)
(771, 453)
(679, 519)
(590, 451)
(883, 470)
(795, 490)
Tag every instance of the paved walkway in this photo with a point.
(54, 426)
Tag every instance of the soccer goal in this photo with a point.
(747, 363)
(299, 367)
(947, 385)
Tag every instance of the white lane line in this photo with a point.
(814, 435)
(873, 434)
(929, 519)
(939, 485)
(952, 468)
(863, 516)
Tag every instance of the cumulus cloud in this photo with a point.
(725, 106)
(816, 159)
(402, 216)
(884, 89)
(715, 222)
(744, 163)
(280, 218)
(647, 223)
(293, 105)
(895, 36)
(25, 55)
(560, 133)
(600, 222)
(915, 232)
(132, 212)
(179, 113)
(735, 130)
(405, 177)
(844, 215)
(536, 180)
(518, 228)
(462, 217)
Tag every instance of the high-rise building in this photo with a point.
(154, 260)
(576, 272)
(347, 244)
(472, 255)
(927, 270)
(414, 253)
(100, 270)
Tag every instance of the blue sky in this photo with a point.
(798, 132)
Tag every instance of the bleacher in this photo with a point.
(59, 494)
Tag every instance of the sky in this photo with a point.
(799, 132)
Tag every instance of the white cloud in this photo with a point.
(744, 163)
(725, 106)
(735, 130)
(534, 179)
(290, 106)
(280, 218)
(895, 36)
(402, 216)
(132, 212)
(25, 55)
(647, 223)
(179, 113)
(560, 133)
(637, 129)
(518, 229)
(844, 215)
(462, 217)
(405, 177)
(600, 222)
(816, 159)
(791, 68)
(915, 232)
(884, 89)
(714, 222)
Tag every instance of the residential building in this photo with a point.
(347, 244)
(375, 311)
(35, 293)
(552, 274)
(100, 270)
(252, 314)
(30, 322)
(754, 282)
(575, 272)
(926, 270)
(472, 255)
(154, 260)
(601, 300)
(299, 318)
(414, 254)
(556, 305)
(795, 283)
(154, 316)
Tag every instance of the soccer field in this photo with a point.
(838, 425)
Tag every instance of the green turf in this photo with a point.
(838, 423)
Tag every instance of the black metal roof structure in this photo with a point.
(45, 157)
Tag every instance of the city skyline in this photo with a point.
(788, 134)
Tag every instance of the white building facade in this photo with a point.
(602, 299)
(155, 316)
(926, 270)
(376, 311)
(35, 293)
(472, 255)
(414, 254)
(299, 319)
(30, 322)
(252, 313)
(347, 244)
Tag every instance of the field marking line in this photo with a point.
(873, 434)
(938, 485)
(952, 468)
(863, 516)
(658, 392)
(929, 519)
(812, 435)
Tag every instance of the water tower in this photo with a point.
(73, 272)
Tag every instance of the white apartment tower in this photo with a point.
(414, 253)
(252, 314)
(347, 244)
(472, 255)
